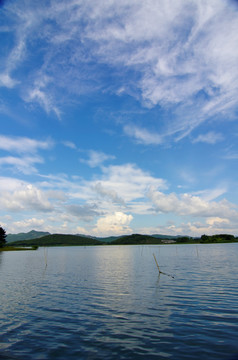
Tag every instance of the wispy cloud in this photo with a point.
(231, 155)
(184, 56)
(44, 99)
(24, 165)
(23, 144)
(69, 144)
(7, 81)
(209, 138)
(96, 158)
(27, 150)
(143, 136)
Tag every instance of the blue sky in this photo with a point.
(119, 117)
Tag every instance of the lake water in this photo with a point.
(109, 302)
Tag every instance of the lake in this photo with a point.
(109, 302)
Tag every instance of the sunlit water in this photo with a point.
(109, 302)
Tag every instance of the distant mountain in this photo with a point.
(26, 236)
(33, 234)
(69, 240)
(108, 239)
(169, 237)
(136, 239)
(58, 240)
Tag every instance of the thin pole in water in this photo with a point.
(161, 272)
(45, 254)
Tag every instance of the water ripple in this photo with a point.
(110, 303)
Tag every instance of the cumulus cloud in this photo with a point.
(26, 198)
(11, 184)
(107, 193)
(28, 224)
(85, 212)
(129, 181)
(189, 205)
(217, 221)
(117, 223)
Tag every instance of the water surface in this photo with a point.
(109, 302)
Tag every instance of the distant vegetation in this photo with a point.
(134, 239)
(2, 237)
(218, 238)
(58, 240)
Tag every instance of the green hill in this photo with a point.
(107, 239)
(58, 240)
(26, 236)
(136, 239)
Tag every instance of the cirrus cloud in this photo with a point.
(183, 56)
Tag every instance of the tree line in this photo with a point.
(3, 236)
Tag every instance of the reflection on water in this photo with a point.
(110, 302)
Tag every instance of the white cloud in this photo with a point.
(28, 224)
(84, 212)
(128, 181)
(25, 147)
(210, 227)
(7, 81)
(10, 184)
(180, 52)
(211, 194)
(23, 165)
(23, 144)
(217, 221)
(209, 138)
(184, 55)
(25, 198)
(231, 155)
(81, 230)
(70, 145)
(44, 99)
(188, 205)
(143, 136)
(108, 193)
(117, 224)
(97, 158)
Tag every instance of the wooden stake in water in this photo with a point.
(161, 272)
(45, 255)
(156, 263)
